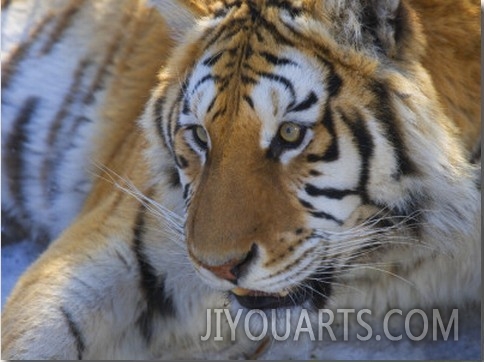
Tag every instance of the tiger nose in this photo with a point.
(233, 269)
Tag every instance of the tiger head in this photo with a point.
(306, 136)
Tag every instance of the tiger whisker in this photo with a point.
(173, 221)
(389, 273)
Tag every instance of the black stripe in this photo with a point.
(171, 123)
(249, 51)
(233, 52)
(386, 117)
(222, 85)
(306, 204)
(219, 113)
(259, 36)
(231, 64)
(181, 161)
(222, 29)
(75, 332)
(180, 105)
(59, 158)
(236, 24)
(280, 79)
(365, 146)
(16, 56)
(15, 149)
(333, 83)
(183, 97)
(186, 191)
(332, 152)
(56, 137)
(201, 81)
(275, 60)
(215, 37)
(285, 5)
(310, 100)
(223, 81)
(221, 12)
(233, 32)
(246, 80)
(98, 81)
(325, 215)
(158, 303)
(65, 18)
(249, 101)
(212, 60)
(174, 177)
(329, 192)
(158, 116)
(253, 10)
(212, 103)
(272, 30)
(186, 106)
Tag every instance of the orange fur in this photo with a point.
(452, 57)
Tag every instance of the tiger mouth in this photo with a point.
(255, 299)
(315, 290)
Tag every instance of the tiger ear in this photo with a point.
(385, 21)
(387, 27)
(181, 15)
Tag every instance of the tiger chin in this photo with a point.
(300, 155)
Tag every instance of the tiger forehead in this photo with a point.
(236, 42)
(242, 41)
(244, 57)
(256, 8)
(272, 83)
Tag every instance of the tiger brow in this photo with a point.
(276, 60)
(307, 103)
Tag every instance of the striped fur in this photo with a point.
(379, 187)
(49, 141)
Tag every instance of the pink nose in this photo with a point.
(226, 271)
(232, 270)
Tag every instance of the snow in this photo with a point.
(16, 257)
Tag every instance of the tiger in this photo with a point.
(257, 155)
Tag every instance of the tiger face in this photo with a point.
(286, 122)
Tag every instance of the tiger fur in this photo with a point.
(146, 138)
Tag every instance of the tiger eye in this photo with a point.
(201, 134)
(290, 132)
